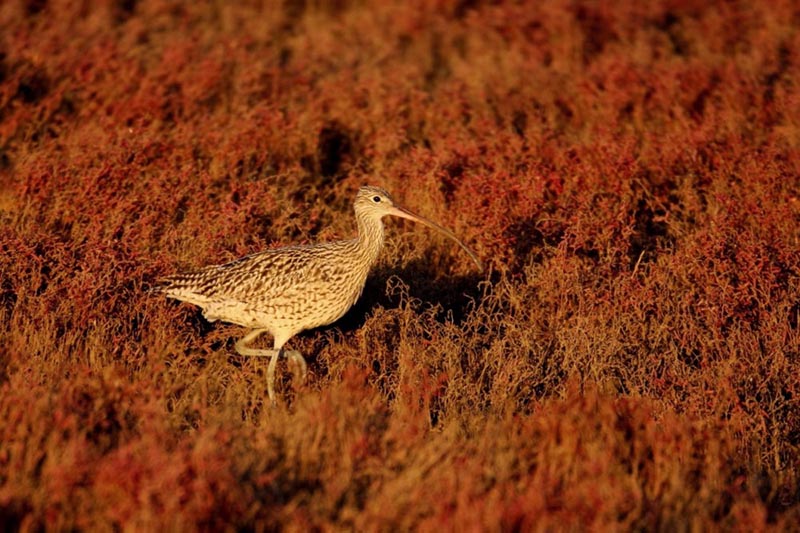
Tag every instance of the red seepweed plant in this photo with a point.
(627, 170)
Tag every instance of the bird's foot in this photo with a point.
(298, 365)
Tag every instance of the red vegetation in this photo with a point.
(628, 170)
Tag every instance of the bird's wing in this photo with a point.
(263, 276)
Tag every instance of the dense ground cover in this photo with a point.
(628, 171)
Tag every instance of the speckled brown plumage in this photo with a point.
(287, 290)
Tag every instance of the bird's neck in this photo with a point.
(370, 237)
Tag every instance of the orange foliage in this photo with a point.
(628, 170)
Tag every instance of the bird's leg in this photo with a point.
(294, 357)
(300, 368)
(243, 349)
(271, 375)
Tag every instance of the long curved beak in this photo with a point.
(405, 213)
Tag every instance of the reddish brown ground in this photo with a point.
(628, 170)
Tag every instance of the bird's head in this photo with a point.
(376, 202)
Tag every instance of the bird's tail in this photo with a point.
(159, 286)
(171, 283)
(182, 287)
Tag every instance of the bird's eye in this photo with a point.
(376, 199)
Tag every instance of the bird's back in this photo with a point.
(297, 287)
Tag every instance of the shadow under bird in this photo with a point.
(288, 290)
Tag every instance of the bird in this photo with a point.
(284, 291)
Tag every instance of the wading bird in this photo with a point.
(288, 290)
